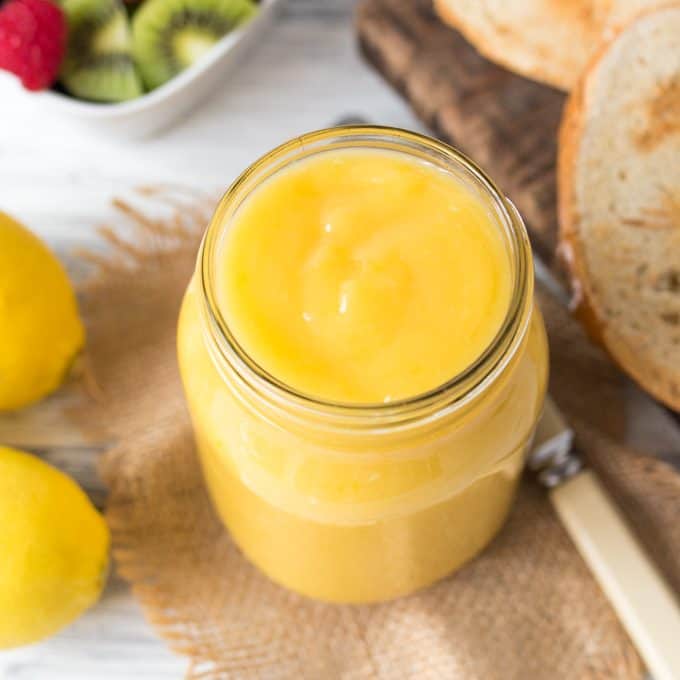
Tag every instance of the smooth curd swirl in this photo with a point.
(363, 276)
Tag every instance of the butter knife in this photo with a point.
(643, 601)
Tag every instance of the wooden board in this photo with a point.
(506, 123)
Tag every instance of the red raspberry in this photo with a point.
(32, 41)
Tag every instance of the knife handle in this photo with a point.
(645, 604)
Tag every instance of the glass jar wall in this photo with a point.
(362, 502)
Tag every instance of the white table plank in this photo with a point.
(109, 642)
(304, 75)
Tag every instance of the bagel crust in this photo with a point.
(619, 200)
(546, 40)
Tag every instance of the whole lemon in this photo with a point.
(40, 330)
(54, 549)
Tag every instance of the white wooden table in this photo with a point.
(304, 75)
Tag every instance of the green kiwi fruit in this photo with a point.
(170, 35)
(99, 65)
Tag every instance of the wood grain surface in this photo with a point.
(506, 123)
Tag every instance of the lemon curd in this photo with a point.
(362, 276)
(363, 362)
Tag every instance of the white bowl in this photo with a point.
(166, 104)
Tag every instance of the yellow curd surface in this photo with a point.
(364, 277)
(361, 276)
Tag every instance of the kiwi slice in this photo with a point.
(170, 35)
(98, 63)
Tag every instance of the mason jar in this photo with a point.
(360, 503)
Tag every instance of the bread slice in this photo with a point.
(546, 40)
(619, 199)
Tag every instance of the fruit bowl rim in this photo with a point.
(178, 82)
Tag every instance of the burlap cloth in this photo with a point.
(526, 609)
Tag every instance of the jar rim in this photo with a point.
(444, 398)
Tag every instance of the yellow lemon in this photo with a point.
(54, 549)
(40, 330)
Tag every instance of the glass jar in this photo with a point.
(353, 503)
